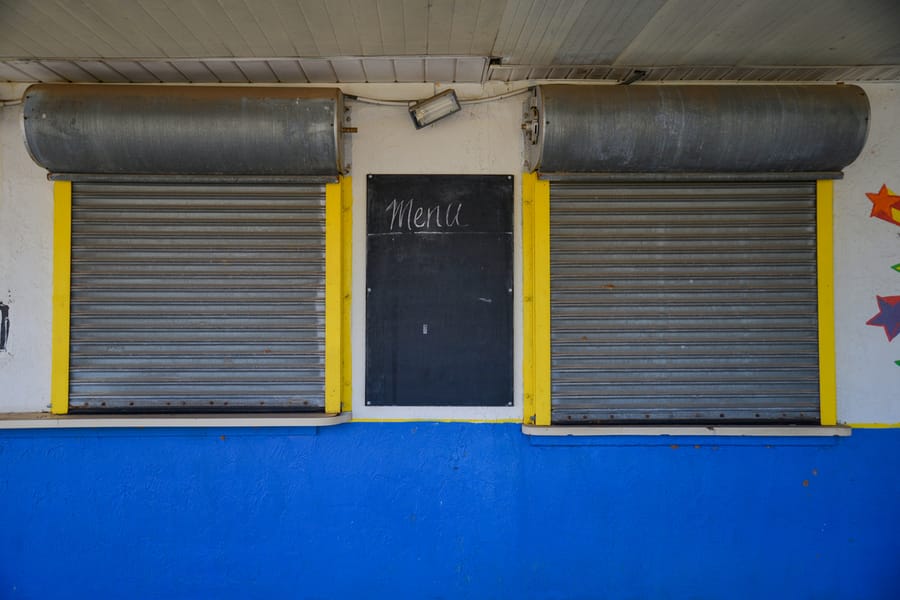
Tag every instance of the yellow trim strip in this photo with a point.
(62, 268)
(542, 356)
(874, 425)
(333, 298)
(825, 271)
(346, 287)
(528, 412)
(476, 421)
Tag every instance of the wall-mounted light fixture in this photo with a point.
(426, 112)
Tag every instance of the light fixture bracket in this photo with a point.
(428, 111)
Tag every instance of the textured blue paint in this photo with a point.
(430, 510)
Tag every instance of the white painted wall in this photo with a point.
(868, 381)
(26, 242)
(483, 138)
(480, 139)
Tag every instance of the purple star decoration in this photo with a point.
(888, 316)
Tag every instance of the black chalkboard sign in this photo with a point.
(439, 318)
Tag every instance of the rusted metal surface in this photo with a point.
(694, 128)
(181, 130)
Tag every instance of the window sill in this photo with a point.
(688, 431)
(49, 421)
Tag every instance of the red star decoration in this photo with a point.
(888, 315)
(882, 204)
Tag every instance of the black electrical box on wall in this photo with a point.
(4, 325)
(439, 290)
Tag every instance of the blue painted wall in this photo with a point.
(432, 510)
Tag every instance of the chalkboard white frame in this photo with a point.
(453, 236)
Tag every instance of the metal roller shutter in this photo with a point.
(190, 297)
(683, 302)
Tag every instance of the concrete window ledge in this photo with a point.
(687, 430)
(48, 421)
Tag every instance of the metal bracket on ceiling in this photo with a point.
(635, 76)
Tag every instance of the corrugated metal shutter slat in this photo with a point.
(190, 297)
(678, 302)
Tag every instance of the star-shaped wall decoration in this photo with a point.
(885, 206)
(888, 315)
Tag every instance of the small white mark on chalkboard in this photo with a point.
(488, 300)
(368, 290)
(509, 290)
(424, 328)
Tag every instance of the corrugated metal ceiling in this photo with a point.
(463, 69)
(301, 41)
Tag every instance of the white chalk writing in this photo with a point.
(406, 215)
